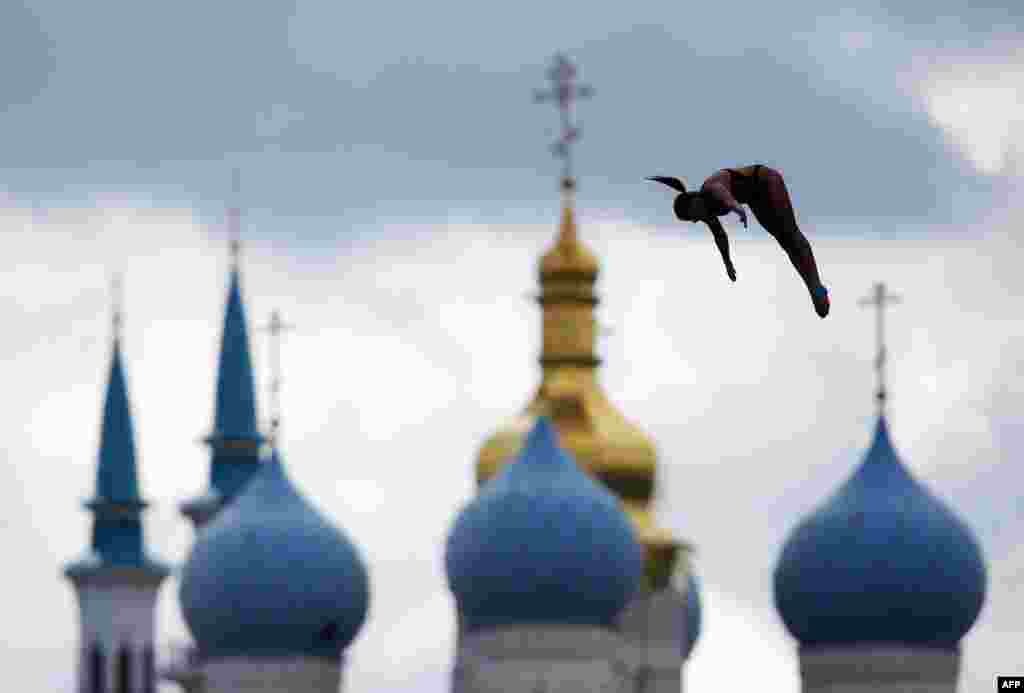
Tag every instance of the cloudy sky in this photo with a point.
(398, 192)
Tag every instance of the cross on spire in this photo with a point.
(275, 327)
(879, 298)
(564, 91)
(235, 219)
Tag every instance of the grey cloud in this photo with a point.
(411, 112)
(955, 18)
(26, 55)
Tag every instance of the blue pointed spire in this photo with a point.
(117, 536)
(116, 478)
(235, 415)
(235, 440)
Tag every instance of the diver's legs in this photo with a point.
(802, 257)
(774, 211)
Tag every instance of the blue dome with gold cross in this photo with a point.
(542, 543)
(269, 576)
(882, 561)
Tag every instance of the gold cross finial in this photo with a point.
(564, 91)
(879, 298)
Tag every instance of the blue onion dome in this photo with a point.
(883, 561)
(542, 543)
(691, 615)
(269, 576)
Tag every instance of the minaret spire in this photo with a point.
(236, 439)
(275, 328)
(879, 298)
(117, 575)
(117, 476)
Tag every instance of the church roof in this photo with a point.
(542, 543)
(270, 576)
(882, 561)
(610, 447)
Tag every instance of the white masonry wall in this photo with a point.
(887, 669)
(653, 628)
(112, 614)
(548, 659)
(272, 675)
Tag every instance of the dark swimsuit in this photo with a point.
(780, 223)
(744, 186)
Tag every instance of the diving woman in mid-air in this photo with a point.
(764, 190)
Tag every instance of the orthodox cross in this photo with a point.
(235, 219)
(275, 327)
(564, 91)
(879, 298)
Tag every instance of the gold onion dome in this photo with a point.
(568, 256)
(600, 438)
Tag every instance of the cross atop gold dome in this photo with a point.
(601, 439)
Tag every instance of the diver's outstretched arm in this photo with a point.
(722, 241)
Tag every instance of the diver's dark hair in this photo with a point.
(673, 183)
(681, 205)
